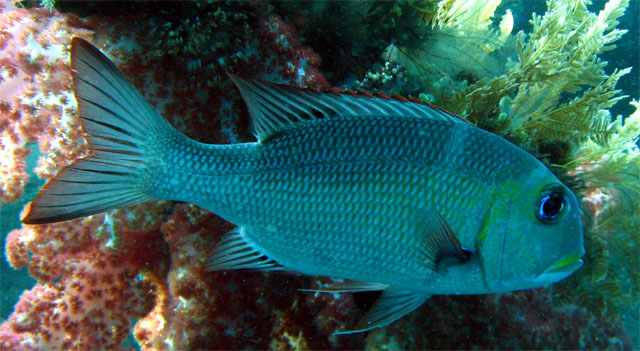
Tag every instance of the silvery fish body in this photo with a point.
(389, 194)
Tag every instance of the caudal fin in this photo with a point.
(118, 122)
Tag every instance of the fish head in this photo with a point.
(534, 233)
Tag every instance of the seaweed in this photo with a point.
(609, 178)
(559, 82)
(553, 89)
(460, 47)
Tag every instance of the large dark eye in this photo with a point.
(552, 206)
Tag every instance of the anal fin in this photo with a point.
(235, 251)
(393, 304)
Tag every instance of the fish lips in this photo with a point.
(560, 271)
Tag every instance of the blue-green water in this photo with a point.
(13, 282)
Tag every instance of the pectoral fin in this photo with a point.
(392, 305)
(437, 239)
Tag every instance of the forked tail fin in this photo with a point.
(119, 123)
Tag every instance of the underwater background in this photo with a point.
(558, 78)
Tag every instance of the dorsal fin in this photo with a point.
(273, 107)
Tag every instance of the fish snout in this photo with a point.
(563, 268)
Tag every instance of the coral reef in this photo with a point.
(205, 37)
(197, 310)
(36, 103)
(351, 35)
(525, 320)
(274, 54)
(546, 90)
(93, 280)
(383, 77)
(98, 273)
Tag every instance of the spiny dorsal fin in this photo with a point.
(273, 107)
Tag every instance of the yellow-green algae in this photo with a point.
(547, 91)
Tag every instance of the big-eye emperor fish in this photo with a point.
(386, 193)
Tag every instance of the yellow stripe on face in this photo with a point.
(493, 215)
(565, 261)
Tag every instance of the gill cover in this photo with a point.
(534, 235)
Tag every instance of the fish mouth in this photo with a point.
(567, 264)
(562, 269)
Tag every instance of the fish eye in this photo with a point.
(552, 205)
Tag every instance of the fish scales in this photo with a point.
(355, 181)
(389, 194)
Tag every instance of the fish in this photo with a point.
(383, 193)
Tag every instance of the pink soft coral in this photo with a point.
(99, 272)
